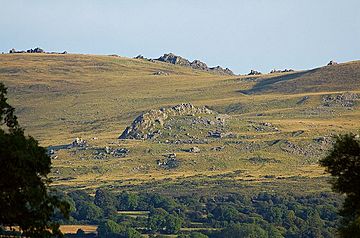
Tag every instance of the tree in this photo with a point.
(160, 220)
(244, 230)
(197, 235)
(111, 229)
(106, 201)
(24, 186)
(128, 201)
(87, 211)
(343, 163)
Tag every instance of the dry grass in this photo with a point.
(72, 229)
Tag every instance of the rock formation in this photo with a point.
(146, 126)
(196, 64)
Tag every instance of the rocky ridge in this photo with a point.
(35, 50)
(196, 64)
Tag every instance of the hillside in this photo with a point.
(263, 130)
(339, 77)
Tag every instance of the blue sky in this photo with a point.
(239, 34)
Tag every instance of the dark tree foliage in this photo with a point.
(160, 220)
(111, 229)
(24, 165)
(106, 201)
(244, 231)
(343, 163)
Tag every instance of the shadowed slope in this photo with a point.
(341, 77)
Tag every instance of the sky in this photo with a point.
(238, 34)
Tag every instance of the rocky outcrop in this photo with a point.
(35, 50)
(274, 71)
(147, 125)
(344, 99)
(220, 70)
(196, 64)
(332, 62)
(174, 59)
(254, 72)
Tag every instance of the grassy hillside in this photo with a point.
(281, 124)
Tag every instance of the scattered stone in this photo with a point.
(261, 160)
(170, 162)
(302, 100)
(78, 142)
(323, 140)
(161, 73)
(219, 134)
(194, 149)
(218, 148)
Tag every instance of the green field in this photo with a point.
(280, 124)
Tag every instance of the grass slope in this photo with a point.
(60, 97)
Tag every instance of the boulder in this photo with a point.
(161, 73)
(332, 62)
(194, 149)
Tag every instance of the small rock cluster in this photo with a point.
(254, 72)
(78, 142)
(220, 134)
(262, 126)
(102, 153)
(281, 71)
(194, 149)
(169, 162)
(161, 73)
